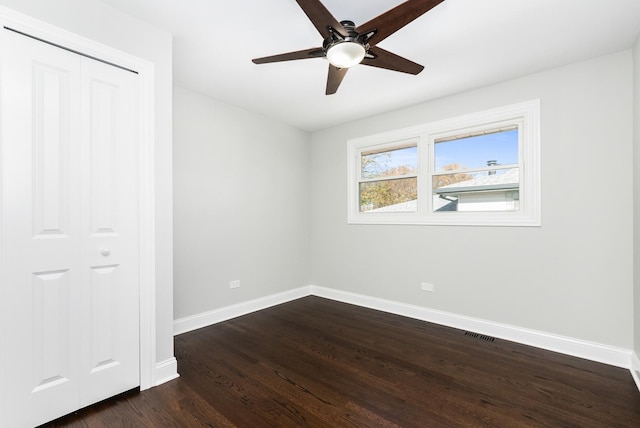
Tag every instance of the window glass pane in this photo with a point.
(390, 163)
(480, 191)
(399, 195)
(499, 148)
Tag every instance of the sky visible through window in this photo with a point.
(471, 152)
(392, 162)
(475, 152)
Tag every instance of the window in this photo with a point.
(477, 172)
(388, 179)
(478, 169)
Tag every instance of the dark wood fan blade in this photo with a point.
(335, 78)
(391, 61)
(321, 18)
(396, 18)
(289, 56)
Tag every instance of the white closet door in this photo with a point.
(70, 219)
(41, 190)
(109, 232)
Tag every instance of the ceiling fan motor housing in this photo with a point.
(336, 38)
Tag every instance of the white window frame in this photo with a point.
(525, 115)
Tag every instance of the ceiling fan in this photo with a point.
(346, 45)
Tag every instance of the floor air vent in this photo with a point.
(479, 336)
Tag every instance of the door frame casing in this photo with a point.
(145, 70)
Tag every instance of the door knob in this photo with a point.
(105, 252)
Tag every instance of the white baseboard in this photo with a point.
(635, 369)
(165, 371)
(618, 357)
(194, 322)
(606, 354)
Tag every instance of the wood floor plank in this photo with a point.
(319, 363)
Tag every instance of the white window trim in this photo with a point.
(526, 115)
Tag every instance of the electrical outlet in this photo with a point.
(234, 284)
(426, 286)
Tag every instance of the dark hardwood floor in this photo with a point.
(319, 363)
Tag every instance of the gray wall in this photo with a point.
(241, 185)
(573, 276)
(99, 22)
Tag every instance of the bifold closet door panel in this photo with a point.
(40, 122)
(109, 226)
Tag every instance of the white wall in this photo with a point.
(241, 185)
(99, 22)
(573, 276)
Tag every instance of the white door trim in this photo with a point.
(145, 69)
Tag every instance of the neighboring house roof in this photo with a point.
(506, 181)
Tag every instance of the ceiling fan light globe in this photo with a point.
(346, 54)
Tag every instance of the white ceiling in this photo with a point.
(463, 44)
